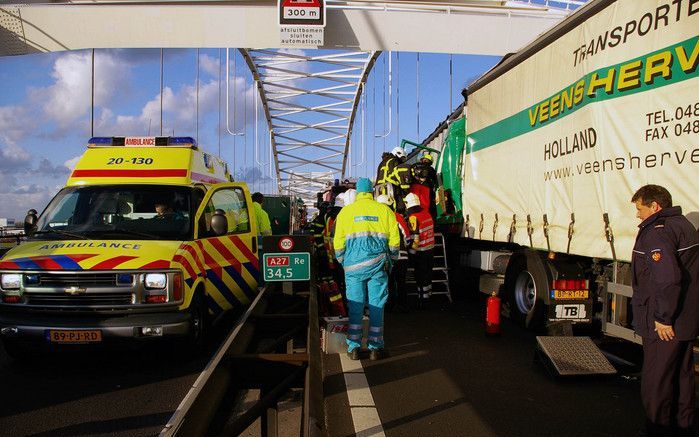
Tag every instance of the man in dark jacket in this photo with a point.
(665, 301)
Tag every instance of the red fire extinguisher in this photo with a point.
(492, 315)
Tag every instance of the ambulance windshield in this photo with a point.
(119, 212)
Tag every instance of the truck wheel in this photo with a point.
(200, 321)
(526, 285)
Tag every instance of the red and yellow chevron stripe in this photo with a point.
(229, 268)
(82, 262)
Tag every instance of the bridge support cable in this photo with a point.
(310, 103)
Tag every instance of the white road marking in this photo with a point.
(365, 417)
(367, 422)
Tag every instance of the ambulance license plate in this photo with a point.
(570, 294)
(74, 336)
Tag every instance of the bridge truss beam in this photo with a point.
(310, 102)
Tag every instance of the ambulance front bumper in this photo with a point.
(133, 326)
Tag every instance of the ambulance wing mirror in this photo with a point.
(219, 222)
(30, 222)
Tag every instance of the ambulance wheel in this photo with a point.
(199, 314)
(526, 285)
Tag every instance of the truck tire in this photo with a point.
(526, 288)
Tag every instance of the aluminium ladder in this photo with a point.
(440, 271)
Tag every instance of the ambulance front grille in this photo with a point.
(95, 299)
(65, 280)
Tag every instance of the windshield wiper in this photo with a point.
(59, 232)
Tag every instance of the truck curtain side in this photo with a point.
(558, 138)
(579, 125)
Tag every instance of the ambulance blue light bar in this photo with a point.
(142, 142)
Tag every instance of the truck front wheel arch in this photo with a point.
(526, 289)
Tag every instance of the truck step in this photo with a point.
(573, 356)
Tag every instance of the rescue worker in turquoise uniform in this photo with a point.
(366, 241)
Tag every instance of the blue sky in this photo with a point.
(45, 110)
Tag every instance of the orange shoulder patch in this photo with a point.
(656, 256)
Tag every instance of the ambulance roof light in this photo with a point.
(142, 141)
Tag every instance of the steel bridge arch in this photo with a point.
(349, 70)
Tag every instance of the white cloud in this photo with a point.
(72, 162)
(47, 168)
(15, 123)
(37, 198)
(14, 159)
(180, 111)
(209, 64)
(69, 97)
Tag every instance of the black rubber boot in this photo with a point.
(375, 354)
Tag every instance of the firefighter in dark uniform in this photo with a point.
(393, 178)
(665, 301)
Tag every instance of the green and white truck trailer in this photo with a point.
(539, 165)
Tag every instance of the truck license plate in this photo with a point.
(570, 294)
(573, 311)
(75, 336)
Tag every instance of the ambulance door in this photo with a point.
(230, 257)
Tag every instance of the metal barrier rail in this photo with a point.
(209, 408)
(193, 416)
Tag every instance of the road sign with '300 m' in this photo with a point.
(301, 12)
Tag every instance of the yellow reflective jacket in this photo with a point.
(366, 234)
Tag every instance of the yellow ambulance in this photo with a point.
(149, 238)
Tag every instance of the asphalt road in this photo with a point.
(124, 392)
(443, 377)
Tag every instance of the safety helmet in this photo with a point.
(412, 200)
(383, 198)
(427, 156)
(350, 196)
(398, 151)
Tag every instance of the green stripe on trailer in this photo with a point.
(672, 64)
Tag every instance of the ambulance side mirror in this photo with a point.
(219, 222)
(30, 222)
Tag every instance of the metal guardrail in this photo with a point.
(209, 408)
(193, 416)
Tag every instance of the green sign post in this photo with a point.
(293, 266)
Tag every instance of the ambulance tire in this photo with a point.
(199, 328)
(526, 285)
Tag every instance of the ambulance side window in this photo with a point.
(232, 202)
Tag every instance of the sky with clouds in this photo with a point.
(46, 113)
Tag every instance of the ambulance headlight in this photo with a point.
(155, 280)
(10, 281)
